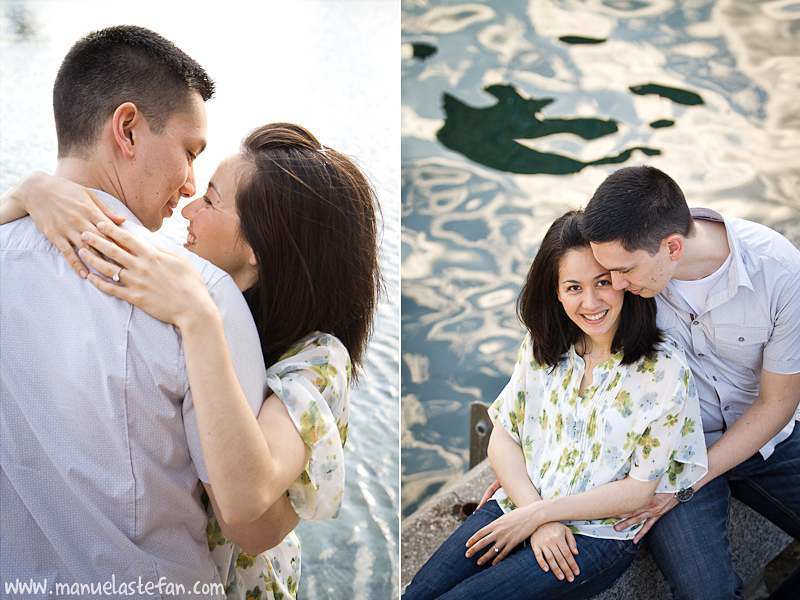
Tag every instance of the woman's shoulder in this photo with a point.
(668, 355)
(318, 347)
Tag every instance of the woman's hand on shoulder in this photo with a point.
(555, 548)
(61, 209)
(163, 284)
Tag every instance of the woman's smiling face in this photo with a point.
(589, 299)
(214, 224)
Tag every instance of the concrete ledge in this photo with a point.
(754, 540)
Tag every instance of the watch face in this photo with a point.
(685, 494)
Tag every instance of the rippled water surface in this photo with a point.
(513, 112)
(331, 67)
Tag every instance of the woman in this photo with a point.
(295, 225)
(599, 414)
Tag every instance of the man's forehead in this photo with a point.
(613, 256)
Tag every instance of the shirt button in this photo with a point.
(695, 322)
(741, 339)
(714, 378)
(726, 408)
(700, 354)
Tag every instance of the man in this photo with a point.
(729, 291)
(100, 457)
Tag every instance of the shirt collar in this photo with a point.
(737, 274)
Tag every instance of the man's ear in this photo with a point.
(124, 124)
(674, 244)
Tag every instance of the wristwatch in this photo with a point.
(684, 494)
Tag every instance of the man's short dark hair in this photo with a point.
(637, 207)
(552, 331)
(121, 64)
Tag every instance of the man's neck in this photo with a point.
(704, 252)
(90, 174)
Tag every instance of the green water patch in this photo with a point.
(675, 94)
(489, 135)
(576, 39)
(662, 123)
(423, 51)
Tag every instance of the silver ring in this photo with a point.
(116, 275)
(496, 549)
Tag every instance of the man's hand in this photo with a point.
(658, 506)
(489, 493)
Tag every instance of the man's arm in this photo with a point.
(775, 405)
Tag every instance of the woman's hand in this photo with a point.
(554, 547)
(162, 283)
(61, 209)
(504, 534)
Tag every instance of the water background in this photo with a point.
(330, 66)
(471, 226)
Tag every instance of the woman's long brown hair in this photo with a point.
(310, 216)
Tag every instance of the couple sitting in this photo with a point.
(598, 438)
(111, 419)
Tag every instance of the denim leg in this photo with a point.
(772, 487)
(690, 545)
(448, 566)
(448, 574)
(519, 576)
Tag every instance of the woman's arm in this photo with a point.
(508, 463)
(265, 532)
(247, 474)
(512, 528)
(553, 543)
(61, 209)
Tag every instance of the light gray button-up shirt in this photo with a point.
(751, 321)
(100, 456)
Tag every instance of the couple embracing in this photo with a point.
(660, 376)
(167, 416)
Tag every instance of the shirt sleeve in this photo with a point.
(313, 381)
(245, 351)
(672, 446)
(508, 410)
(782, 350)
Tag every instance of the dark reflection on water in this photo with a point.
(489, 135)
(422, 50)
(576, 39)
(675, 94)
(662, 123)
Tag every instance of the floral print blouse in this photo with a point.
(641, 420)
(313, 381)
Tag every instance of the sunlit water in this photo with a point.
(331, 67)
(706, 91)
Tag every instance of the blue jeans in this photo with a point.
(690, 543)
(450, 575)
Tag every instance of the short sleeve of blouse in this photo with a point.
(312, 379)
(672, 445)
(508, 409)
